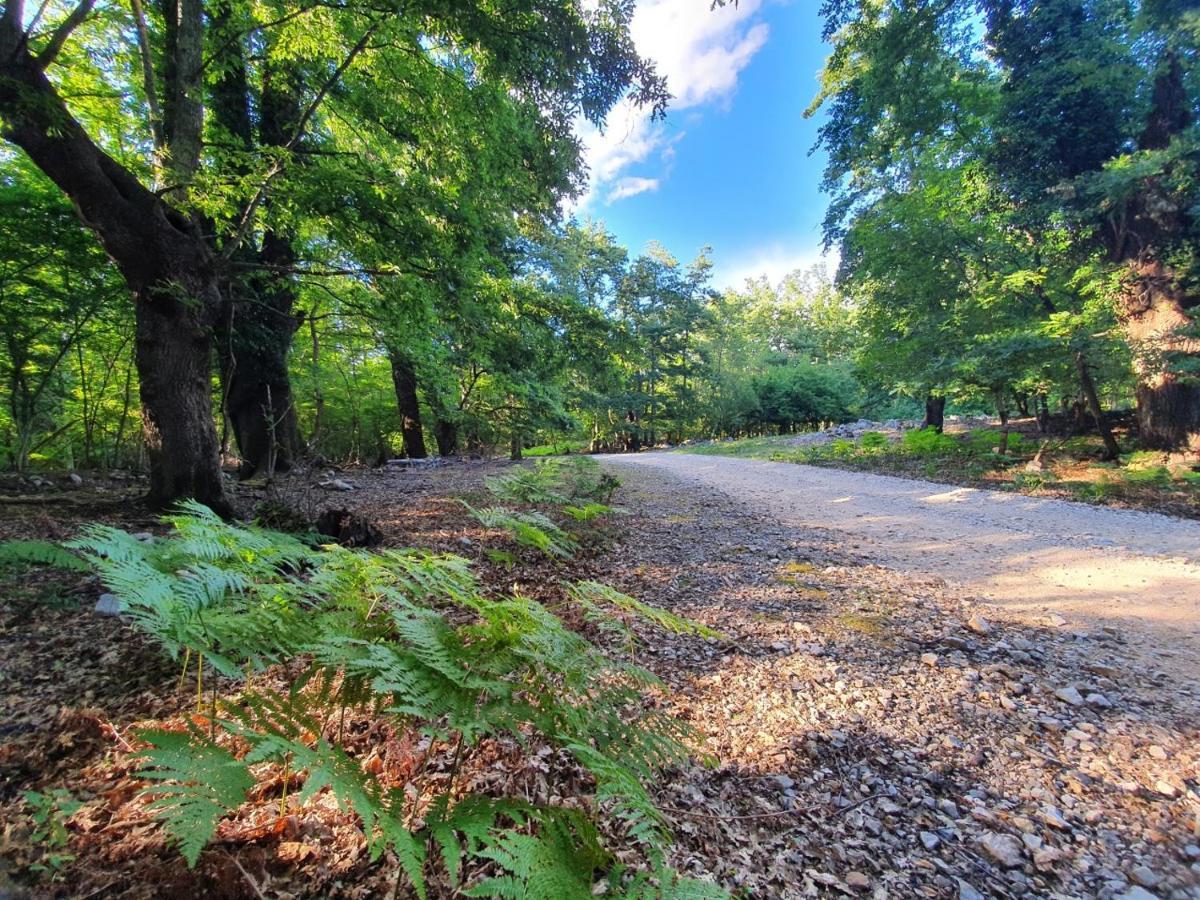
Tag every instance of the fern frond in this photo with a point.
(593, 595)
(529, 529)
(559, 860)
(589, 511)
(40, 553)
(198, 783)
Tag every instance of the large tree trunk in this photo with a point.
(1156, 307)
(257, 333)
(174, 362)
(162, 256)
(1160, 329)
(404, 380)
(254, 366)
(935, 413)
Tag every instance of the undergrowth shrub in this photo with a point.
(557, 480)
(873, 441)
(529, 529)
(410, 637)
(575, 486)
(928, 442)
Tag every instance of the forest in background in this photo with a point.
(367, 212)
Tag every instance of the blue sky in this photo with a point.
(730, 167)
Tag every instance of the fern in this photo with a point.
(40, 553)
(537, 484)
(593, 597)
(588, 511)
(558, 862)
(555, 481)
(199, 782)
(529, 529)
(411, 636)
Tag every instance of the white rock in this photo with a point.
(929, 659)
(108, 605)
(1165, 788)
(1052, 817)
(1145, 876)
(1069, 695)
(1003, 848)
(1099, 701)
(1137, 893)
(979, 625)
(75, 479)
(337, 484)
(966, 892)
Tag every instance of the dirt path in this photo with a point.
(1138, 572)
(886, 734)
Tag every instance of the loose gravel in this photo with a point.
(887, 734)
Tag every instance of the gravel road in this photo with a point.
(1133, 571)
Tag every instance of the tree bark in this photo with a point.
(935, 413)
(254, 365)
(514, 447)
(404, 380)
(1156, 309)
(1111, 450)
(260, 325)
(1002, 411)
(445, 433)
(163, 258)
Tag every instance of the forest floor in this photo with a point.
(876, 732)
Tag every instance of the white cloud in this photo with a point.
(631, 187)
(701, 52)
(775, 262)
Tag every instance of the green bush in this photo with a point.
(556, 480)
(874, 441)
(841, 448)
(928, 442)
(411, 637)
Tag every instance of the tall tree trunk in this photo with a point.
(254, 345)
(514, 447)
(164, 259)
(258, 331)
(445, 434)
(174, 360)
(404, 380)
(318, 394)
(935, 413)
(1111, 450)
(1156, 307)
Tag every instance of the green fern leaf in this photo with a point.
(199, 783)
(41, 553)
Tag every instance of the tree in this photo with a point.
(555, 60)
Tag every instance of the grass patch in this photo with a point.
(745, 448)
(871, 624)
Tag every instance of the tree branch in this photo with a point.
(143, 40)
(247, 219)
(63, 31)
